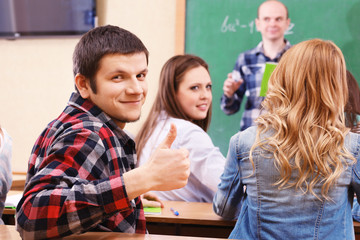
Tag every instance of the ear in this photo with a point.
(257, 22)
(288, 22)
(83, 85)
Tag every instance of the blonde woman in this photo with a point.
(300, 163)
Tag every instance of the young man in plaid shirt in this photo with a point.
(272, 22)
(82, 174)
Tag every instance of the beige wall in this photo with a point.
(36, 74)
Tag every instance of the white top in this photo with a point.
(206, 161)
(5, 168)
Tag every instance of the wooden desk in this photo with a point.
(357, 230)
(195, 219)
(9, 232)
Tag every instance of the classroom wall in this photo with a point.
(36, 77)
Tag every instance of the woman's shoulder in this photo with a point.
(184, 125)
(185, 129)
(246, 136)
(188, 133)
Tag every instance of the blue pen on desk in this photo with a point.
(176, 213)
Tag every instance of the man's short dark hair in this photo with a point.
(99, 42)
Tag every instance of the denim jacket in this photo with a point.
(265, 212)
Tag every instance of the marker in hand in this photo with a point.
(176, 213)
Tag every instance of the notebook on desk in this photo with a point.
(152, 210)
(12, 200)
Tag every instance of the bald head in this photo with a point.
(272, 21)
(275, 3)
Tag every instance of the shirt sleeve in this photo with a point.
(5, 169)
(356, 210)
(232, 105)
(207, 162)
(228, 198)
(71, 190)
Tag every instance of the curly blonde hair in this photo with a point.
(304, 107)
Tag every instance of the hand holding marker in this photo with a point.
(176, 213)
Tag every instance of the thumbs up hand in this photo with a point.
(170, 168)
(170, 138)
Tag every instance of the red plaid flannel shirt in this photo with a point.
(74, 182)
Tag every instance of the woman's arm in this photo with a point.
(228, 198)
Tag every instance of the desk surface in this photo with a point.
(189, 213)
(192, 213)
(9, 232)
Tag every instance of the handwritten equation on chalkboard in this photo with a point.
(236, 25)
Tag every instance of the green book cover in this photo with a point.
(269, 68)
(152, 210)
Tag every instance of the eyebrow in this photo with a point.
(122, 71)
(200, 83)
(144, 70)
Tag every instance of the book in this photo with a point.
(12, 200)
(269, 68)
(152, 210)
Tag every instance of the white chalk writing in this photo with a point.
(236, 25)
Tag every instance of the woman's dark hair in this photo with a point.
(352, 107)
(171, 76)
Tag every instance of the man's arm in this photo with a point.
(231, 99)
(234, 88)
(71, 191)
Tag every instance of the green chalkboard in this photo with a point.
(218, 30)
